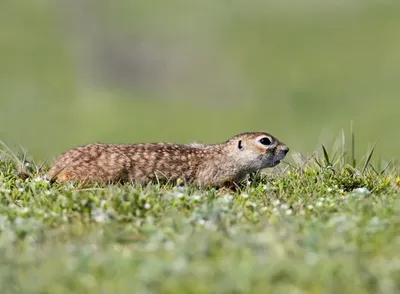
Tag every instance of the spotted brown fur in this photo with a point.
(205, 165)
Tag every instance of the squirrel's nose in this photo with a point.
(285, 149)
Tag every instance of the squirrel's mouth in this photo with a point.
(276, 162)
(277, 159)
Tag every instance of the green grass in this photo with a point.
(318, 225)
(298, 69)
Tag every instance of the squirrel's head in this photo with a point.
(257, 150)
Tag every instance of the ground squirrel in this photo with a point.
(217, 165)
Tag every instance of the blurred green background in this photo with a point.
(77, 71)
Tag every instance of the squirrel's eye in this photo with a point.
(265, 141)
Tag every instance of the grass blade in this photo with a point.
(353, 143)
(326, 156)
(343, 159)
(386, 167)
(368, 158)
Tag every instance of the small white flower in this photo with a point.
(196, 197)
(245, 195)
(252, 204)
(284, 206)
(178, 195)
(100, 218)
(276, 202)
(310, 206)
(24, 210)
(318, 203)
(201, 222)
(362, 191)
(289, 212)
(264, 187)
(147, 205)
(329, 189)
(228, 198)
(99, 215)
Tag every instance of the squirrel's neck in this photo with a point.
(216, 164)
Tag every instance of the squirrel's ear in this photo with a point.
(240, 146)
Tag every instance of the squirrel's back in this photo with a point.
(120, 163)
